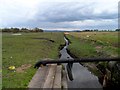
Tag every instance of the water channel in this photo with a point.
(82, 77)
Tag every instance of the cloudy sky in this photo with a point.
(59, 14)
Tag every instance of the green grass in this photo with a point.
(80, 49)
(25, 49)
(96, 44)
(107, 38)
(83, 46)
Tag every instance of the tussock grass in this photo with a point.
(107, 38)
(81, 49)
(84, 44)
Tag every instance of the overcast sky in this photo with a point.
(59, 14)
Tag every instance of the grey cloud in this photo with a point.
(68, 12)
(65, 25)
(61, 15)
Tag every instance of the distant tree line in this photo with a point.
(117, 30)
(16, 30)
(95, 30)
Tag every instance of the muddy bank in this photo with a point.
(45, 39)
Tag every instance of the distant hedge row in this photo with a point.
(15, 30)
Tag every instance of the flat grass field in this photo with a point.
(23, 51)
(94, 44)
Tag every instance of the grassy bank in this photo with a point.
(95, 45)
(23, 51)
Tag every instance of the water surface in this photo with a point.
(82, 76)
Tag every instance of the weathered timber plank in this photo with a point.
(50, 77)
(39, 77)
(64, 80)
(57, 80)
